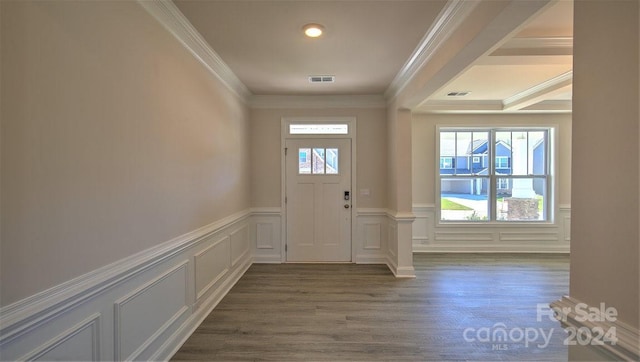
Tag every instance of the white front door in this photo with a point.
(318, 178)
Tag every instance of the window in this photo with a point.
(502, 162)
(318, 161)
(446, 162)
(310, 129)
(494, 175)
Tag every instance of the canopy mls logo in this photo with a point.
(501, 337)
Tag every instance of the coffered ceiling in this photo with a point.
(369, 43)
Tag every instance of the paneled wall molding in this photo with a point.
(430, 236)
(371, 237)
(265, 235)
(570, 312)
(372, 212)
(161, 280)
(401, 216)
(168, 14)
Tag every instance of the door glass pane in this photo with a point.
(332, 160)
(304, 160)
(464, 199)
(318, 161)
(522, 200)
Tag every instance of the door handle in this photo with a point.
(346, 206)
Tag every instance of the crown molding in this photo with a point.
(492, 107)
(166, 12)
(317, 101)
(460, 106)
(534, 94)
(451, 16)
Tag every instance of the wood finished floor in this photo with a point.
(346, 312)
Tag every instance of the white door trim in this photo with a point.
(284, 135)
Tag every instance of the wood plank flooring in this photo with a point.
(346, 312)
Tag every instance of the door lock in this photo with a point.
(347, 195)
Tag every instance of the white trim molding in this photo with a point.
(400, 257)
(449, 18)
(571, 314)
(168, 14)
(429, 236)
(103, 306)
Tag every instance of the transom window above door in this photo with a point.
(318, 161)
(319, 129)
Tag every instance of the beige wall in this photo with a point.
(114, 139)
(424, 151)
(605, 237)
(371, 154)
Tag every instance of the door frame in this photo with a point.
(284, 136)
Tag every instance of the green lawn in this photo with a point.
(446, 204)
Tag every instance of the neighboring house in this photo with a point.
(538, 166)
(474, 161)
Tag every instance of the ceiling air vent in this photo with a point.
(458, 94)
(322, 79)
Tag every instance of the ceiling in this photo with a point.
(368, 43)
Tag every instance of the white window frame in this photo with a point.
(550, 206)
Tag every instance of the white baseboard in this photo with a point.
(98, 316)
(627, 338)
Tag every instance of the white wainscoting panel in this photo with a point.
(80, 343)
(372, 236)
(142, 307)
(265, 235)
(393, 238)
(370, 239)
(239, 244)
(211, 264)
(142, 315)
(430, 236)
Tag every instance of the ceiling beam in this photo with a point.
(535, 46)
(538, 92)
(512, 18)
(449, 19)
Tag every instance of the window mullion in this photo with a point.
(491, 193)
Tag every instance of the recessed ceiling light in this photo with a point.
(313, 30)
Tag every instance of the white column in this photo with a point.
(522, 188)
